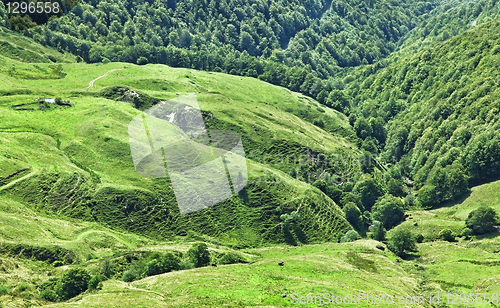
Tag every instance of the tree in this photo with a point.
(482, 220)
(370, 190)
(427, 197)
(389, 211)
(350, 236)
(350, 197)
(395, 187)
(338, 100)
(142, 61)
(322, 97)
(321, 185)
(369, 146)
(379, 233)
(334, 192)
(246, 42)
(363, 128)
(199, 254)
(353, 215)
(401, 240)
(446, 235)
(72, 283)
(4, 19)
(158, 264)
(378, 129)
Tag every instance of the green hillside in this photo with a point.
(21, 48)
(476, 259)
(76, 161)
(441, 107)
(448, 20)
(371, 139)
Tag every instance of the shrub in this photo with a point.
(21, 287)
(229, 258)
(334, 193)
(130, 275)
(319, 123)
(466, 232)
(199, 254)
(96, 282)
(379, 233)
(374, 225)
(409, 201)
(186, 264)
(350, 197)
(482, 220)
(49, 295)
(350, 236)
(158, 264)
(389, 211)
(419, 238)
(89, 257)
(353, 215)
(3, 290)
(401, 240)
(106, 268)
(447, 235)
(142, 61)
(58, 263)
(72, 283)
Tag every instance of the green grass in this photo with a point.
(464, 266)
(18, 47)
(61, 170)
(76, 161)
(308, 270)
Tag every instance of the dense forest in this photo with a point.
(295, 44)
(448, 20)
(442, 110)
(428, 111)
(320, 35)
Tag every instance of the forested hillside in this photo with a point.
(442, 108)
(295, 44)
(448, 20)
(353, 33)
(369, 129)
(324, 35)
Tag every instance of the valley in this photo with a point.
(371, 146)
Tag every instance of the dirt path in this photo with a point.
(91, 84)
(17, 181)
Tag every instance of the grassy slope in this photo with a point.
(464, 266)
(18, 47)
(314, 269)
(340, 269)
(75, 161)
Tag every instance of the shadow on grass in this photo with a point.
(490, 235)
(410, 256)
(451, 203)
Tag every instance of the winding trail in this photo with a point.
(91, 84)
(10, 184)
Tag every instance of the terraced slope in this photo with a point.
(76, 161)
